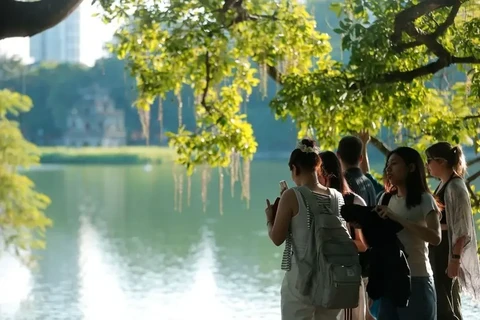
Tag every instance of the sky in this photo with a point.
(93, 35)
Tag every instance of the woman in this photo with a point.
(290, 224)
(331, 175)
(454, 261)
(412, 205)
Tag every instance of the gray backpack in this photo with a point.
(330, 271)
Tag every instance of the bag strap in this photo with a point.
(309, 198)
(349, 198)
(335, 205)
(386, 198)
(311, 203)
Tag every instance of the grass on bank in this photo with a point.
(106, 155)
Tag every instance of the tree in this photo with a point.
(214, 50)
(22, 220)
(28, 18)
(222, 49)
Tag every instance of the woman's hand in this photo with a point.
(453, 268)
(269, 212)
(364, 135)
(384, 212)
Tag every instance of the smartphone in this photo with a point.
(283, 186)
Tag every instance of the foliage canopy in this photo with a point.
(397, 77)
(22, 221)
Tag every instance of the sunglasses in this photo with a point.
(433, 159)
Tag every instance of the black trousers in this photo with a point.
(448, 290)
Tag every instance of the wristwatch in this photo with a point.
(456, 256)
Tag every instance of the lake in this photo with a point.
(119, 250)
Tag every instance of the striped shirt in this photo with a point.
(324, 202)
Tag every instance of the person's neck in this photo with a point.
(348, 166)
(446, 175)
(401, 191)
(310, 181)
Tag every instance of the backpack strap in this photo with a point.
(386, 198)
(309, 198)
(349, 198)
(311, 203)
(334, 195)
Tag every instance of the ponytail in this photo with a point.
(458, 162)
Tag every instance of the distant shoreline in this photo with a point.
(106, 155)
(125, 155)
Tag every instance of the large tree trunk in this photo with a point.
(25, 19)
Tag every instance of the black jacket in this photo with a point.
(389, 273)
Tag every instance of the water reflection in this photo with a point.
(16, 287)
(101, 293)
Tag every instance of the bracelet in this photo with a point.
(456, 256)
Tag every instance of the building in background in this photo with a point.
(95, 122)
(60, 43)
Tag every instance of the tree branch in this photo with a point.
(473, 177)
(209, 108)
(473, 195)
(404, 22)
(412, 14)
(25, 19)
(473, 161)
(473, 116)
(275, 74)
(242, 15)
(208, 78)
(431, 68)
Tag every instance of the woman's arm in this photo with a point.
(360, 241)
(458, 247)
(432, 233)
(364, 164)
(287, 207)
(459, 215)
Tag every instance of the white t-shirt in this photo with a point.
(416, 248)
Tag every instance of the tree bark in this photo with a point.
(25, 19)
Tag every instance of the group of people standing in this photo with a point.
(437, 230)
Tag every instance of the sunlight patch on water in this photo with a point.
(15, 286)
(101, 294)
(202, 296)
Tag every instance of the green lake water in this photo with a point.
(119, 250)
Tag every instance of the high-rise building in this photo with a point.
(60, 43)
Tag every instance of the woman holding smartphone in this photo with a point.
(291, 225)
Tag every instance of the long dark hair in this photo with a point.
(331, 168)
(452, 154)
(416, 181)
